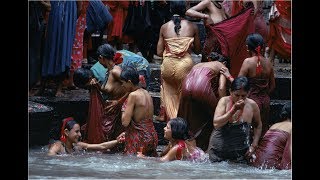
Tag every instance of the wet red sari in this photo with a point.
(141, 135)
(271, 149)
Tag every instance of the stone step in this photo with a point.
(43, 123)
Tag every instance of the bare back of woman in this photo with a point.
(143, 105)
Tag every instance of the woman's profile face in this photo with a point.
(167, 131)
(126, 84)
(238, 95)
(74, 134)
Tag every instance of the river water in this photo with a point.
(95, 165)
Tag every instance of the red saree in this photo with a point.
(271, 148)
(231, 35)
(101, 126)
(280, 30)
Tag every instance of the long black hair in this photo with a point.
(179, 128)
(178, 9)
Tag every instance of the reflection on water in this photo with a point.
(93, 165)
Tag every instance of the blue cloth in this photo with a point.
(99, 72)
(139, 62)
(60, 36)
(129, 58)
(97, 16)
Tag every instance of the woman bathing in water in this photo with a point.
(179, 148)
(234, 114)
(69, 140)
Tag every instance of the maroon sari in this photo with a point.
(103, 124)
(259, 21)
(141, 135)
(271, 148)
(230, 34)
(280, 30)
(259, 93)
(198, 102)
(286, 157)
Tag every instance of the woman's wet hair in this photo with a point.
(69, 124)
(81, 77)
(286, 112)
(214, 56)
(57, 126)
(240, 83)
(253, 41)
(130, 73)
(179, 128)
(178, 9)
(106, 50)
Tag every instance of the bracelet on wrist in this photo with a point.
(229, 77)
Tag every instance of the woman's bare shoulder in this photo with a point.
(56, 146)
(252, 103)
(224, 100)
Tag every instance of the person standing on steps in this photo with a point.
(177, 39)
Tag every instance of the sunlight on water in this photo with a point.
(94, 165)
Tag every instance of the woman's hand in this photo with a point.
(226, 73)
(111, 106)
(121, 138)
(250, 154)
(239, 104)
(94, 82)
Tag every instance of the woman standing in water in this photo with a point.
(274, 150)
(201, 91)
(234, 114)
(260, 74)
(175, 41)
(137, 114)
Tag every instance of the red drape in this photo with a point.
(280, 30)
(231, 34)
(102, 125)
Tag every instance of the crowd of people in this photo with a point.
(219, 107)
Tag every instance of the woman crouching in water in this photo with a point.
(69, 140)
(179, 147)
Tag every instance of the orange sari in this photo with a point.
(177, 63)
